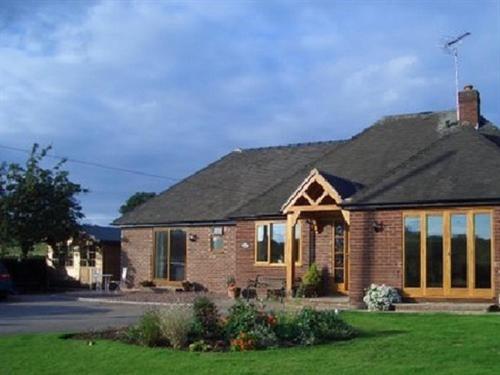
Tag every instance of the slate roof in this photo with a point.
(256, 182)
(103, 234)
(461, 166)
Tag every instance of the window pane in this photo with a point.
(278, 234)
(296, 243)
(217, 242)
(459, 251)
(161, 255)
(482, 240)
(434, 251)
(338, 254)
(262, 239)
(412, 251)
(177, 255)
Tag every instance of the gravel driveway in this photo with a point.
(62, 313)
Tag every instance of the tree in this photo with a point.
(36, 204)
(136, 200)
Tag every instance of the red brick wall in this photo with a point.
(496, 251)
(136, 255)
(207, 267)
(204, 266)
(374, 257)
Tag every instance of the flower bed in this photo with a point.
(245, 327)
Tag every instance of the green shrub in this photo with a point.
(316, 327)
(264, 336)
(243, 316)
(206, 324)
(147, 331)
(286, 329)
(250, 328)
(311, 283)
(175, 326)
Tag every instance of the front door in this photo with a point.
(170, 256)
(340, 257)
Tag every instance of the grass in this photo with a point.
(389, 344)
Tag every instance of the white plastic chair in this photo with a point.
(122, 282)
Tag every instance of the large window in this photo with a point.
(270, 243)
(412, 251)
(482, 249)
(448, 253)
(434, 251)
(170, 255)
(458, 234)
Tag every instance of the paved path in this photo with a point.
(62, 313)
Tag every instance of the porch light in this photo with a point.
(193, 237)
(378, 226)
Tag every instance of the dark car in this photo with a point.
(5, 282)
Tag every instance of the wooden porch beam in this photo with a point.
(291, 220)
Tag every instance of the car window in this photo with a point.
(2, 268)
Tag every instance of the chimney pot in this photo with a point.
(469, 106)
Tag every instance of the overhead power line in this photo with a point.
(94, 164)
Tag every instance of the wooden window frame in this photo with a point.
(447, 291)
(268, 263)
(167, 282)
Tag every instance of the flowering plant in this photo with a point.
(381, 297)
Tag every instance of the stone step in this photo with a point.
(322, 303)
(442, 307)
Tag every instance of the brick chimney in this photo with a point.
(469, 106)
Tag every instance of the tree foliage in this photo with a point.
(136, 200)
(37, 204)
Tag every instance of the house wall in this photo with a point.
(208, 267)
(137, 254)
(374, 257)
(378, 257)
(496, 252)
(204, 266)
(247, 269)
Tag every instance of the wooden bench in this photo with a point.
(271, 287)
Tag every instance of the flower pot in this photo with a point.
(233, 292)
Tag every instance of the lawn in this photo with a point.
(389, 344)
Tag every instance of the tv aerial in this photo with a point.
(450, 46)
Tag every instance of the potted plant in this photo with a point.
(232, 291)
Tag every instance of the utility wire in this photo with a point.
(93, 164)
(126, 170)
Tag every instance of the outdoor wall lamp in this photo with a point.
(193, 237)
(378, 226)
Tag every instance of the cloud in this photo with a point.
(166, 87)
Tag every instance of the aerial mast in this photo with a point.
(451, 47)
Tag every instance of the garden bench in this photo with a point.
(273, 287)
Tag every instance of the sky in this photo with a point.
(166, 87)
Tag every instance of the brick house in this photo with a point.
(412, 201)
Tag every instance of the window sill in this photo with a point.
(266, 264)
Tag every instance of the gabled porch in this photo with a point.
(316, 201)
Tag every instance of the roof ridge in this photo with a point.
(293, 145)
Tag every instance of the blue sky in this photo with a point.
(167, 87)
